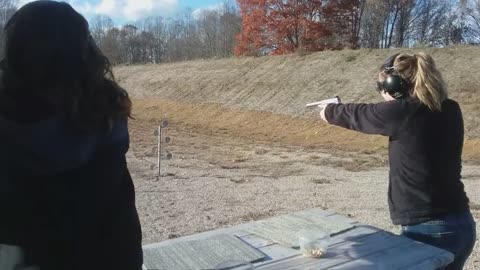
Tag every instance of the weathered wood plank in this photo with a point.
(437, 260)
(352, 248)
(405, 256)
(256, 241)
(340, 218)
(284, 229)
(359, 233)
(276, 253)
(368, 252)
(238, 230)
(363, 247)
(203, 235)
(201, 254)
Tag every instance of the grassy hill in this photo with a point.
(265, 97)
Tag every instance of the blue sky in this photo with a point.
(130, 10)
(195, 4)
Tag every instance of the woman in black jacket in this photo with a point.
(66, 195)
(425, 129)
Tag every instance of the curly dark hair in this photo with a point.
(51, 57)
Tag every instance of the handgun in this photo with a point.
(334, 100)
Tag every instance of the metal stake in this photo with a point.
(159, 150)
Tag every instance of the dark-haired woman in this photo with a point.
(66, 195)
(425, 129)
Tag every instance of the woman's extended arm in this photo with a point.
(381, 118)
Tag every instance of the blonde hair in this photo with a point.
(427, 82)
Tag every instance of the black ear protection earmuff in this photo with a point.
(393, 84)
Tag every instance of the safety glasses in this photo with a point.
(380, 87)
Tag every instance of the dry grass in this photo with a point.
(321, 181)
(284, 84)
(262, 126)
(263, 98)
(261, 151)
(270, 129)
(475, 206)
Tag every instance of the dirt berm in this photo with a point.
(265, 97)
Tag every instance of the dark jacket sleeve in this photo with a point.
(382, 118)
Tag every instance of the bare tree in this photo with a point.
(146, 41)
(99, 26)
(472, 13)
(398, 21)
(401, 23)
(129, 39)
(112, 47)
(230, 27)
(431, 19)
(7, 9)
(372, 24)
(209, 31)
(156, 26)
(155, 39)
(357, 16)
(404, 22)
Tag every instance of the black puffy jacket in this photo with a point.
(425, 154)
(66, 197)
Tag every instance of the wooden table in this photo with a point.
(363, 247)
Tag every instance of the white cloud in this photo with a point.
(23, 2)
(123, 9)
(217, 7)
(106, 7)
(135, 8)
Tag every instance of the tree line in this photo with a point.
(210, 33)
(284, 26)
(189, 35)
(262, 27)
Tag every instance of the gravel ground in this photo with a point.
(214, 182)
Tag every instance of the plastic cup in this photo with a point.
(313, 243)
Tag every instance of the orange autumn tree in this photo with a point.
(343, 18)
(284, 26)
